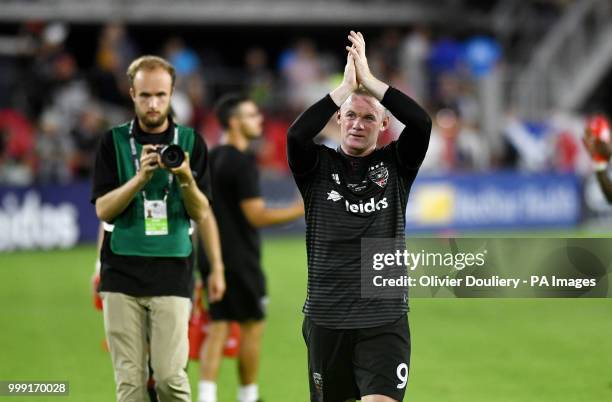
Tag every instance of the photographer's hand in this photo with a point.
(195, 202)
(149, 163)
(113, 203)
(183, 173)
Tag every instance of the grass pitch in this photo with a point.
(464, 350)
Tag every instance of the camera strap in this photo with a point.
(136, 161)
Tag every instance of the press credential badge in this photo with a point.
(156, 217)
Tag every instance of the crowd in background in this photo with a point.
(53, 110)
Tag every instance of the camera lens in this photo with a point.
(172, 156)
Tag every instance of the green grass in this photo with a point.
(464, 350)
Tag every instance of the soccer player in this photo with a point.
(358, 348)
(240, 211)
(146, 259)
(600, 151)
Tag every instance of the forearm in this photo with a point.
(195, 202)
(406, 110)
(209, 236)
(414, 139)
(99, 242)
(605, 184)
(277, 216)
(311, 122)
(375, 86)
(113, 203)
(301, 150)
(340, 94)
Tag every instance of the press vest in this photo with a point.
(128, 236)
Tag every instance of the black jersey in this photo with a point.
(235, 178)
(350, 198)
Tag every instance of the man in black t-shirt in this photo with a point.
(146, 257)
(240, 211)
(358, 348)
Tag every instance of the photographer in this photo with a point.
(146, 259)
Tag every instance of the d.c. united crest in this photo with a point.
(378, 174)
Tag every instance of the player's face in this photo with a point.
(250, 119)
(361, 118)
(151, 91)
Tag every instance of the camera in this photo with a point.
(172, 156)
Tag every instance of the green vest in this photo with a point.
(128, 236)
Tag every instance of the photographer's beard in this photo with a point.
(152, 119)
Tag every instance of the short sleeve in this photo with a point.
(199, 166)
(247, 178)
(105, 174)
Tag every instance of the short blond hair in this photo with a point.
(363, 91)
(149, 63)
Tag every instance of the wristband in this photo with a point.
(600, 166)
(183, 185)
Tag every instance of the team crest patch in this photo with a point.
(378, 174)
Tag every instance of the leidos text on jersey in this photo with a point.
(368, 207)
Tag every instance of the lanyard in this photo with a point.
(137, 161)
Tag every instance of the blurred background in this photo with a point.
(508, 84)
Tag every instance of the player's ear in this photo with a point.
(338, 117)
(385, 123)
(232, 122)
(132, 94)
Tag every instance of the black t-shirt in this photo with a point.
(348, 199)
(234, 178)
(135, 275)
